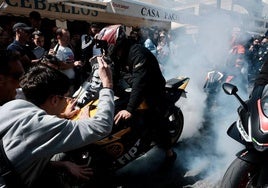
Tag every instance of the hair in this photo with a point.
(41, 82)
(59, 32)
(38, 33)
(7, 56)
(94, 25)
(35, 15)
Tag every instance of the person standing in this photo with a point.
(21, 44)
(38, 43)
(89, 49)
(66, 56)
(148, 43)
(88, 45)
(44, 26)
(163, 51)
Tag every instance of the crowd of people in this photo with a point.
(244, 59)
(37, 41)
(50, 68)
(38, 124)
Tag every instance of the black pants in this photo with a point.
(158, 124)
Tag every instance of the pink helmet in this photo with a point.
(112, 34)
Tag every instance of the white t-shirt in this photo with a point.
(66, 54)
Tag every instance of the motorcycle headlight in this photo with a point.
(264, 101)
(264, 105)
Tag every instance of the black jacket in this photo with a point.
(143, 74)
(262, 78)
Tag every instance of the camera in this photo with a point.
(50, 59)
(102, 44)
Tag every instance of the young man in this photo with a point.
(32, 130)
(38, 40)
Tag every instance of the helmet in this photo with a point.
(112, 34)
(110, 37)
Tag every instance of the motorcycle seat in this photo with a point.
(175, 83)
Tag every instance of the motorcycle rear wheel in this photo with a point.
(176, 121)
(240, 174)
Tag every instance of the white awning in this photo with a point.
(82, 10)
(131, 8)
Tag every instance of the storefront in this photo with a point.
(63, 12)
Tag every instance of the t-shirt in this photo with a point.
(38, 52)
(66, 54)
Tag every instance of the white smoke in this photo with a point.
(194, 58)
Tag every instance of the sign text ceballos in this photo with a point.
(43, 5)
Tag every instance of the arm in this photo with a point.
(78, 133)
(139, 82)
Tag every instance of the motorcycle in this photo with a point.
(130, 139)
(250, 168)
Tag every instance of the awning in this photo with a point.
(131, 8)
(119, 13)
(124, 8)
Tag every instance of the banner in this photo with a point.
(64, 12)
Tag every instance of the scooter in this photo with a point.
(250, 168)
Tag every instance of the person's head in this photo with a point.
(116, 38)
(163, 38)
(35, 19)
(134, 35)
(46, 87)
(38, 38)
(63, 36)
(94, 29)
(22, 32)
(10, 72)
(155, 34)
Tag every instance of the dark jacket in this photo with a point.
(26, 53)
(146, 79)
(262, 78)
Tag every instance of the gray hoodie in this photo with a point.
(33, 136)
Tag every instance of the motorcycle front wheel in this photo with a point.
(240, 174)
(176, 121)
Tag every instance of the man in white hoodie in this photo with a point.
(32, 131)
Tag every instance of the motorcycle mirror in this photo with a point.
(229, 89)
